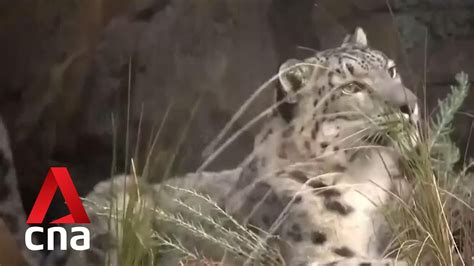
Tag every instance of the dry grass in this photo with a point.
(427, 225)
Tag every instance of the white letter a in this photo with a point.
(85, 237)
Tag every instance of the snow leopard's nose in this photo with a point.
(406, 102)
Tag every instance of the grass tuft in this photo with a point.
(426, 225)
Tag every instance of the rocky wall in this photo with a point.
(70, 68)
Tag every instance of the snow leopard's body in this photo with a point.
(313, 180)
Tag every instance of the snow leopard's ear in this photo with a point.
(292, 75)
(291, 78)
(358, 37)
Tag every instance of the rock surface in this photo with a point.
(67, 69)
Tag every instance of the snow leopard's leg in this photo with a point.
(316, 218)
(11, 209)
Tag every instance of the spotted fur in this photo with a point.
(314, 179)
(314, 157)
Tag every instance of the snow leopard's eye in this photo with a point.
(351, 88)
(392, 71)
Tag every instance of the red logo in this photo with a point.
(58, 177)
